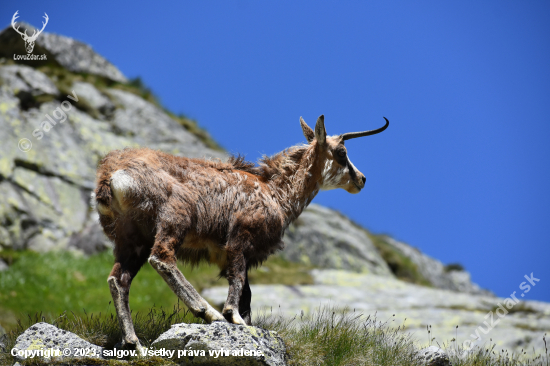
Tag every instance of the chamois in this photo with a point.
(159, 207)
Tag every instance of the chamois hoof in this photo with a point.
(233, 317)
(132, 345)
(247, 318)
(130, 341)
(212, 315)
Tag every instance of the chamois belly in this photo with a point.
(196, 248)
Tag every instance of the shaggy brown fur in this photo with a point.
(159, 207)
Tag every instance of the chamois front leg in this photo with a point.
(236, 276)
(244, 303)
(163, 260)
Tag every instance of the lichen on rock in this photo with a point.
(46, 337)
(223, 344)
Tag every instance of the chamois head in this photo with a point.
(337, 169)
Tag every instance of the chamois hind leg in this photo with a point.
(236, 276)
(163, 259)
(129, 257)
(244, 302)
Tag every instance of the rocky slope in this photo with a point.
(59, 117)
(392, 300)
(51, 143)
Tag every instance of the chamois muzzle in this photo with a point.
(352, 135)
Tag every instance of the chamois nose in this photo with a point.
(360, 182)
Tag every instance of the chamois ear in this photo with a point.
(308, 132)
(320, 132)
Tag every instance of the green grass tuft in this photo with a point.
(401, 266)
(278, 270)
(332, 336)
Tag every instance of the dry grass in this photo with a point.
(331, 336)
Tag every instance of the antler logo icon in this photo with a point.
(29, 40)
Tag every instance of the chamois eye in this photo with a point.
(342, 153)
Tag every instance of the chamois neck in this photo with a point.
(295, 183)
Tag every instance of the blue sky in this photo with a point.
(463, 170)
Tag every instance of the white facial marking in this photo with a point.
(327, 169)
(331, 180)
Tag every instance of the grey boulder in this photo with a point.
(433, 356)
(46, 337)
(235, 342)
(94, 97)
(21, 78)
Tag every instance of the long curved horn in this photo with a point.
(352, 135)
